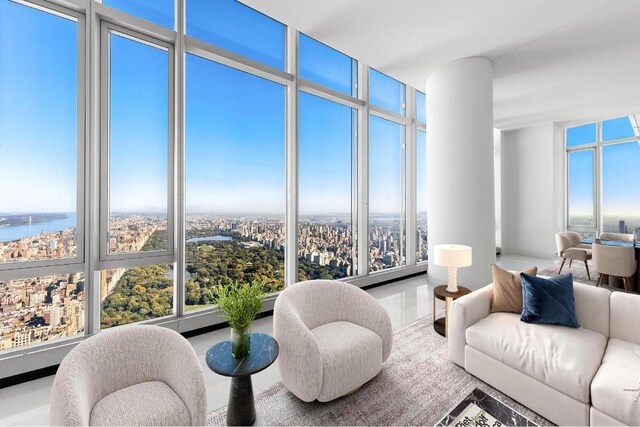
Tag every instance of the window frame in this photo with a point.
(78, 264)
(598, 177)
(92, 16)
(158, 257)
(35, 268)
(595, 211)
(352, 105)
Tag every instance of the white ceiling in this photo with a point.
(554, 60)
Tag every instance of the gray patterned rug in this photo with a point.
(579, 274)
(418, 385)
(577, 270)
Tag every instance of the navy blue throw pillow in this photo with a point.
(548, 301)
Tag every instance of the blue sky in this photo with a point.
(620, 171)
(139, 126)
(235, 139)
(325, 156)
(385, 157)
(38, 137)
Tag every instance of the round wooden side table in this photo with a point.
(241, 410)
(441, 325)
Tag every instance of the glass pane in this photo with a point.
(235, 137)
(581, 189)
(585, 134)
(38, 134)
(326, 66)
(421, 197)
(386, 195)
(134, 294)
(621, 187)
(157, 11)
(421, 107)
(235, 27)
(386, 92)
(623, 127)
(38, 309)
(325, 233)
(138, 147)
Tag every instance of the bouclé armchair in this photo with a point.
(333, 337)
(130, 375)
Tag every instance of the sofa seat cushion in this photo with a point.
(149, 403)
(351, 356)
(565, 359)
(620, 369)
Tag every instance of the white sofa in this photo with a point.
(569, 376)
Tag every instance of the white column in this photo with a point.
(460, 175)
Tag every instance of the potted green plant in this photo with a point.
(240, 303)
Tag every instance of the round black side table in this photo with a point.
(241, 410)
(441, 325)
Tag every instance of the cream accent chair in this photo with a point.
(614, 261)
(333, 337)
(569, 247)
(620, 237)
(130, 375)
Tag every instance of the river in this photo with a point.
(16, 232)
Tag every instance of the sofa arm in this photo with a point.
(464, 312)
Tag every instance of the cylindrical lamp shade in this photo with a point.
(452, 255)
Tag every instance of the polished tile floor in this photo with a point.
(405, 301)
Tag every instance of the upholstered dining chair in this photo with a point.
(333, 337)
(620, 237)
(569, 247)
(130, 375)
(615, 261)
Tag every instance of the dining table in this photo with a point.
(614, 281)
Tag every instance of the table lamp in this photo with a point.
(452, 256)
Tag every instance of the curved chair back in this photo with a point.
(318, 302)
(620, 237)
(614, 260)
(121, 357)
(566, 240)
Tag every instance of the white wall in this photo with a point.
(497, 180)
(532, 190)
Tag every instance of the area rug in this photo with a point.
(418, 385)
(577, 270)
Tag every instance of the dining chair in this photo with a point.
(616, 261)
(620, 237)
(569, 248)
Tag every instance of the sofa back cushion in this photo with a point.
(625, 317)
(592, 307)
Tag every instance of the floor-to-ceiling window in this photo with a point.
(326, 166)
(386, 173)
(42, 283)
(174, 146)
(421, 178)
(602, 176)
(137, 142)
(234, 179)
(325, 230)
